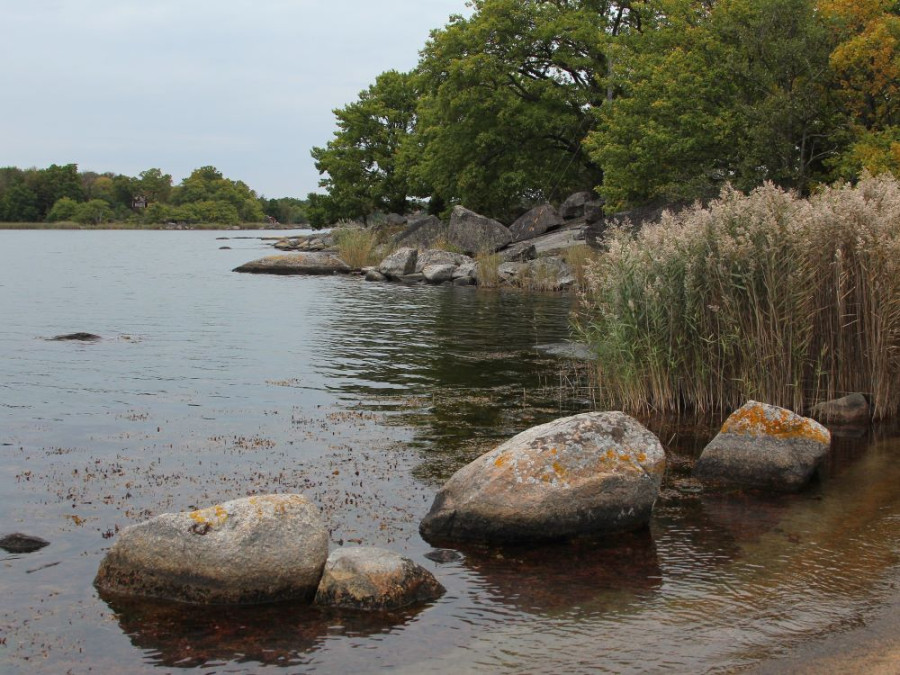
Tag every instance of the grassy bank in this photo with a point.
(766, 296)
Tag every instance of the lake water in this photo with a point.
(209, 385)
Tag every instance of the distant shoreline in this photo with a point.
(150, 226)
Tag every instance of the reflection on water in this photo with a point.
(209, 385)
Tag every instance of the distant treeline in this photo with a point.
(526, 101)
(65, 194)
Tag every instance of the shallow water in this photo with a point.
(209, 385)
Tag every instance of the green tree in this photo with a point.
(734, 92)
(154, 185)
(52, 183)
(19, 205)
(63, 210)
(364, 167)
(506, 100)
(93, 212)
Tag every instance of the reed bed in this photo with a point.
(488, 270)
(766, 296)
(357, 246)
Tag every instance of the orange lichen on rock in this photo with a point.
(214, 516)
(760, 419)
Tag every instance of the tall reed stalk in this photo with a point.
(764, 296)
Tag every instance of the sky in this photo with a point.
(247, 86)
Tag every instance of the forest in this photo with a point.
(653, 102)
(62, 193)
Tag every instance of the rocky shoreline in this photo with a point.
(541, 250)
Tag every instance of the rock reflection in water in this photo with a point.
(191, 636)
(588, 575)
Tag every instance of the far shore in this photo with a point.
(152, 226)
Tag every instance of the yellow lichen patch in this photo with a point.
(756, 419)
(501, 461)
(641, 457)
(213, 517)
(559, 469)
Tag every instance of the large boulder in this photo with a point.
(520, 251)
(850, 409)
(399, 263)
(536, 222)
(366, 578)
(765, 446)
(297, 263)
(251, 550)
(422, 232)
(473, 233)
(590, 474)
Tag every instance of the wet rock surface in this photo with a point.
(589, 474)
(764, 446)
(77, 337)
(373, 579)
(257, 549)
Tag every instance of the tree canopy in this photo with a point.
(526, 101)
(62, 193)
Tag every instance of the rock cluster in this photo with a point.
(253, 550)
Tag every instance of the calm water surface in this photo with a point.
(210, 385)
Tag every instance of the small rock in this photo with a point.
(399, 263)
(575, 351)
(370, 579)
(765, 446)
(438, 274)
(444, 555)
(574, 205)
(22, 543)
(851, 409)
(80, 337)
(375, 275)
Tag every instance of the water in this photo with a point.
(210, 385)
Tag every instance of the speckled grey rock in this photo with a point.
(536, 222)
(762, 445)
(439, 273)
(474, 233)
(257, 549)
(589, 474)
(367, 578)
(436, 256)
(399, 263)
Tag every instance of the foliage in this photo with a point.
(735, 94)
(764, 296)
(363, 166)
(206, 196)
(506, 99)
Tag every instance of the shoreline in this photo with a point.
(153, 226)
(872, 647)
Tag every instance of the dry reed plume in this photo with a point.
(767, 296)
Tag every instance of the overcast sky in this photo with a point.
(247, 86)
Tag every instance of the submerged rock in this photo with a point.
(368, 578)
(314, 263)
(576, 351)
(80, 337)
(851, 409)
(590, 474)
(257, 549)
(22, 543)
(762, 445)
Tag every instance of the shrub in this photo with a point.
(488, 269)
(764, 296)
